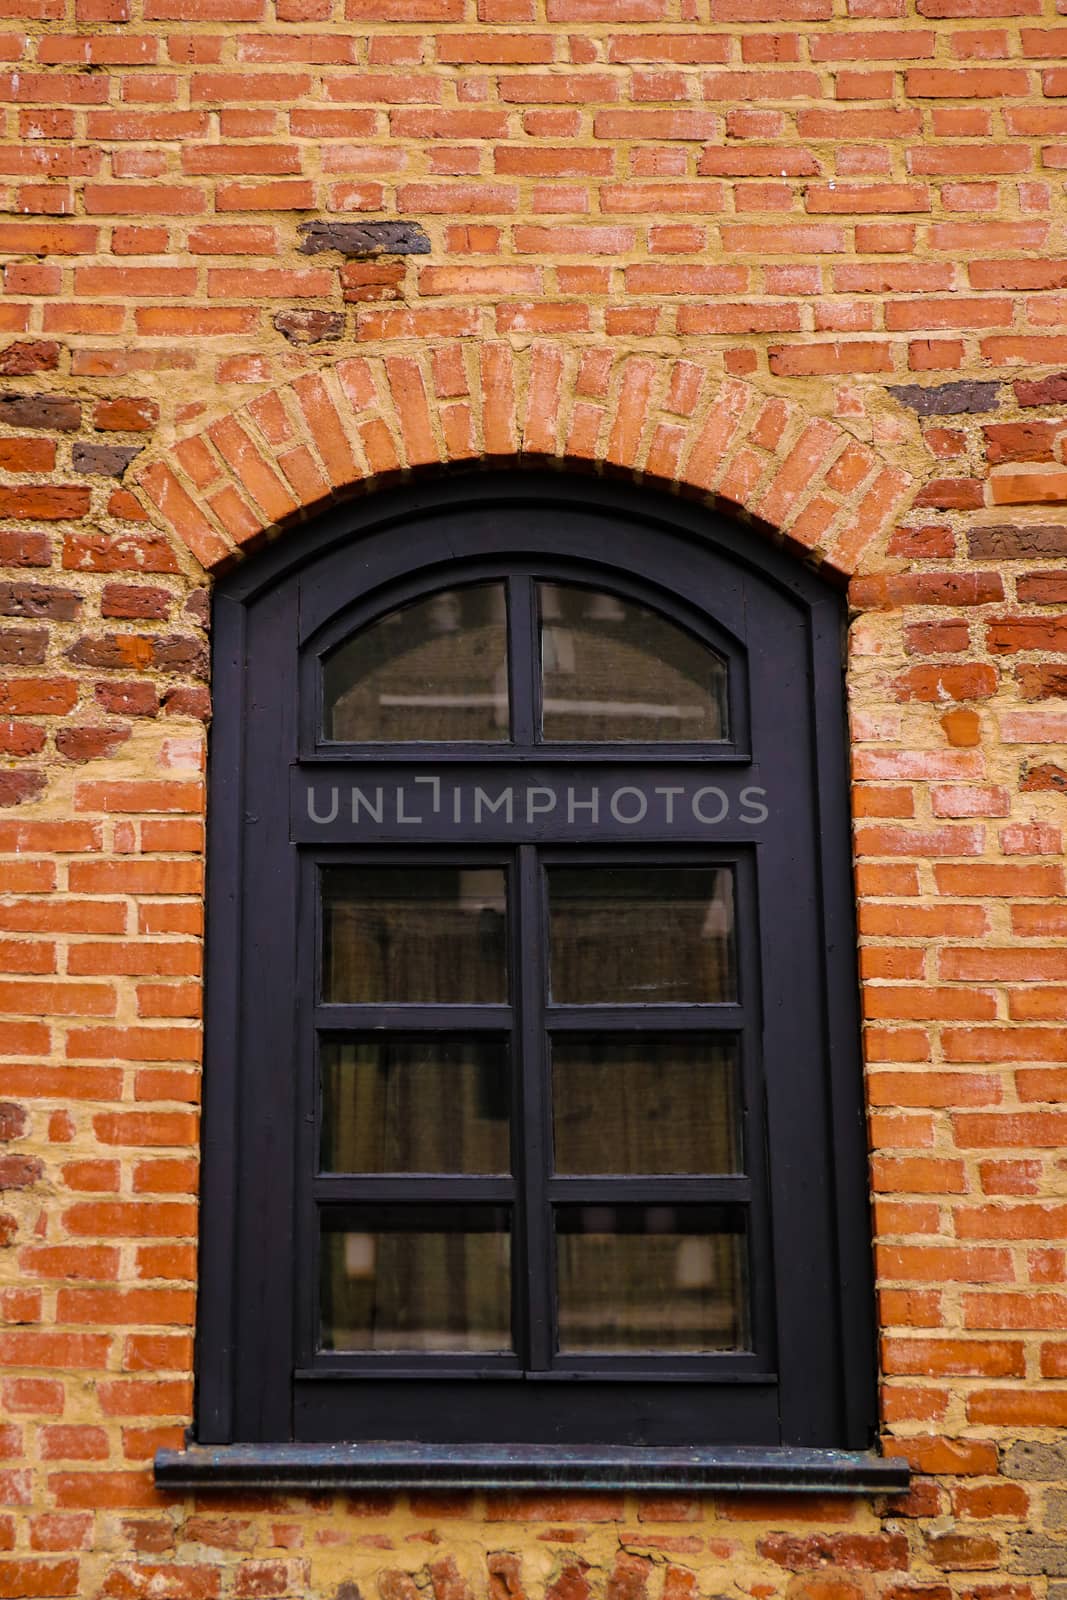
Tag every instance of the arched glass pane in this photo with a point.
(614, 671)
(433, 670)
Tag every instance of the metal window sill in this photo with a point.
(374, 1465)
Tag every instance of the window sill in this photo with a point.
(307, 1467)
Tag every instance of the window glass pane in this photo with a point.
(436, 669)
(645, 1103)
(429, 1278)
(414, 934)
(651, 1278)
(613, 670)
(641, 935)
(415, 1105)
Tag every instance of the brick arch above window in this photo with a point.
(368, 418)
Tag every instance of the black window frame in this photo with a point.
(256, 1420)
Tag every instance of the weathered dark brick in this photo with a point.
(57, 412)
(364, 238)
(27, 548)
(1011, 543)
(38, 600)
(22, 647)
(178, 652)
(103, 460)
(946, 399)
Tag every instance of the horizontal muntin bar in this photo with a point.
(391, 1188)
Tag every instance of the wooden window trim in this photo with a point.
(245, 1429)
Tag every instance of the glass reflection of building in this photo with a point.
(436, 670)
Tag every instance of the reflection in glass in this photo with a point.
(641, 935)
(420, 1104)
(436, 669)
(414, 934)
(651, 1278)
(430, 1278)
(645, 1103)
(616, 671)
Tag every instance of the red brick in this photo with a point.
(31, 1576)
(95, 1491)
(869, 1552)
(954, 1357)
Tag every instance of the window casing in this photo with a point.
(517, 1268)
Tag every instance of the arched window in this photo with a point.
(533, 1123)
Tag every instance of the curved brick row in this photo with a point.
(287, 454)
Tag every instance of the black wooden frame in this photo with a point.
(676, 557)
(531, 1022)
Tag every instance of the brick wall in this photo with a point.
(805, 257)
